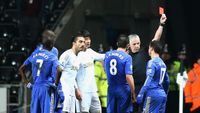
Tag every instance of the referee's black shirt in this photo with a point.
(140, 60)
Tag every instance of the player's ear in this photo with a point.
(73, 43)
(127, 46)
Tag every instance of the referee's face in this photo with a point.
(135, 44)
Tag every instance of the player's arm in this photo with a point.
(22, 69)
(58, 74)
(159, 31)
(63, 60)
(22, 73)
(130, 80)
(166, 83)
(150, 73)
(129, 77)
(77, 92)
(97, 56)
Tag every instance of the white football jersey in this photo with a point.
(70, 66)
(85, 77)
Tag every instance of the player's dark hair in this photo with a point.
(122, 41)
(86, 33)
(48, 39)
(156, 45)
(75, 37)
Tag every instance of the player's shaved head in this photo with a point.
(48, 39)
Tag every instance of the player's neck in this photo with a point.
(74, 51)
(121, 49)
(47, 48)
(154, 55)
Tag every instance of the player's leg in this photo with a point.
(124, 103)
(111, 100)
(46, 103)
(163, 105)
(85, 102)
(72, 104)
(111, 104)
(95, 106)
(157, 104)
(59, 98)
(66, 103)
(35, 103)
(147, 105)
(78, 106)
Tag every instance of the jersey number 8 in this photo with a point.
(113, 68)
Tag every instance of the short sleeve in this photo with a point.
(64, 58)
(55, 62)
(150, 68)
(27, 61)
(54, 51)
(128, 66)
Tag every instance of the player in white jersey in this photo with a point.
(70, 66)
(86, 80)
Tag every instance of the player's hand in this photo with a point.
(133, 98)
(61, 96)
(163, 19)
(54, 86)
(78, 94)
(29, 85)
(139, 98)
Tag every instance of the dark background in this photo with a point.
(183, 26)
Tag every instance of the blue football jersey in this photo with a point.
(155, 87)
(157, 76)
(54, 50)
(117, 65)
(42, 62)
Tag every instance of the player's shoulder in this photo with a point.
(89, 50)
(151, 62)
(66, 53)
(156, 61)
(47, 52)
(81, 53)
(108, 53)
(54, 50)
(125, 54)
